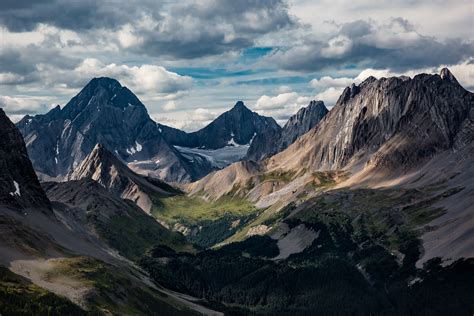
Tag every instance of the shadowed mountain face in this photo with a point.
(119, 222)
(107, 113)
(19, 186)
(238, 126)
(274, 141)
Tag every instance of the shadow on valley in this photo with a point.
(363, 262)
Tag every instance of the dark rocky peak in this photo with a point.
(313, 106)
(349, 93)
(445, 74)
(240, 106)
(19, 185)
(99, 93)
(104, 82)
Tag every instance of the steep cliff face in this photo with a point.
(270, 143)
(19, 186)
(238, 126)
(400, 121)
(107, 113)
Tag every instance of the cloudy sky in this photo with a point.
(189, 62)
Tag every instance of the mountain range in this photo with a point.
(362, 209)
(105, 112)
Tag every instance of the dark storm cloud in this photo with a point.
(206, 28)
(23, 15)
(189, 30)
(395, 45)
(22, 63)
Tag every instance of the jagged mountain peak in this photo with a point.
(99, 165)
(103, 91)
(314, 105)
(239, 105)
(100, 151)
(237, 126)
(106, 169)
(99, 157)
(446, 74)
(105, 82)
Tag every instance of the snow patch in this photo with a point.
(138, 146)
(57, 152)
(135, 149)
(17, 189)
(232, 142)
(251, 140)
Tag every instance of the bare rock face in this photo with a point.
(397, 122)
(270, 143)
(19, 186)
(238, 126)
(264, 146)
(106, 169)
(107, 113)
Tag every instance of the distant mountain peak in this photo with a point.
(314, 103)
(240, 106)
(105, 82)
(446, 74)
(105, 91)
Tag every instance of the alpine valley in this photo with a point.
(365, 208)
